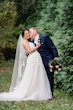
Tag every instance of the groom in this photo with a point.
(47, 51)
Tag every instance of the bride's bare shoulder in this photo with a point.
(25, 43)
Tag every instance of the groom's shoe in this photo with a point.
(54, 96)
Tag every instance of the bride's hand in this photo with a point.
(38, 45)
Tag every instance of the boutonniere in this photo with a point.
(39, 40)
(55, 65)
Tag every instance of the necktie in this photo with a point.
(34, 42)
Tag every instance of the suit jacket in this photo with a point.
(47, 49)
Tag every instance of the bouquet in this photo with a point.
(54, 65)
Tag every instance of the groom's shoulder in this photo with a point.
(43, 36)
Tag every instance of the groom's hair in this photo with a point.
(34, 28)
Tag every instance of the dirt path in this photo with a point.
(6, 69)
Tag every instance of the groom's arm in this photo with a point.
(51, 46)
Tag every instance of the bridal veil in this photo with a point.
(19, 64)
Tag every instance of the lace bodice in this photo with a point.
(31, 45)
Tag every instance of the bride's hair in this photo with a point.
(23, 32)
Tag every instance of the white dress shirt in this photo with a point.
(36, 39)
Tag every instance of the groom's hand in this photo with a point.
(56, 58)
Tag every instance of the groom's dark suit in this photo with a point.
(48, 52)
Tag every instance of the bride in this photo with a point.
(29, 79)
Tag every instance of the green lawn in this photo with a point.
(61, 101)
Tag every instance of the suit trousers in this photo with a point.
(50, 77)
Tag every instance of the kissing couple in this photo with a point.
(31, 78)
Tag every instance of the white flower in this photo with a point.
(59, 69)
(51, 70)
(50, 66)
(56, 71)
(57, 66)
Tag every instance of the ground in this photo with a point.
(61, 100)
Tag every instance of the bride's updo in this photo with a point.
(23, 32)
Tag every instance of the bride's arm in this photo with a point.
(28, 49)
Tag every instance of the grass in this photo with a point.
(62, 100)
(7, 63)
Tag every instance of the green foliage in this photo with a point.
(23, 7)
(7, 21)
(18, 30)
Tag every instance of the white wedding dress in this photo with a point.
(34, 84)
